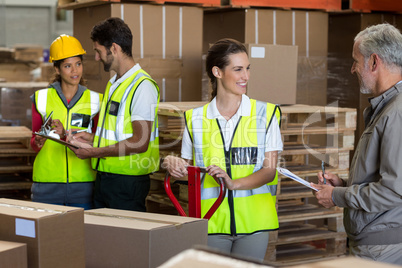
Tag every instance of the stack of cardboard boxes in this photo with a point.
(43, 235)
(22, 72)
(168, 34)
(179, 36)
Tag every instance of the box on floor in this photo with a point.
(54, 234)
(13, 255)
(135, 239)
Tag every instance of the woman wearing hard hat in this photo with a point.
(59, 176)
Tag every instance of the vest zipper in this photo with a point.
(66, 151)
(103, 120)
(100, 133)
(233, 231)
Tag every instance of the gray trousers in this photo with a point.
(382, 253)
(250, 246)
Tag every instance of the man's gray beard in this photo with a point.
(365, 90)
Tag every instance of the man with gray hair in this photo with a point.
(372, 196)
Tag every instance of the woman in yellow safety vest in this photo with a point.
(59, 176)
(238, 139)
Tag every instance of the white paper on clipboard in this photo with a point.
(289, 174)
(57, 140)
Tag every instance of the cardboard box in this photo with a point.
(47, 72)
(16, 72)
(274, 73)
(168, 32)
(26, 52)
(308, 30)
(13, 255)
(54, 234)
(197, 258)
(119, 238)
(6, 54)
(15, 101)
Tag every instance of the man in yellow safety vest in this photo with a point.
(125, 147)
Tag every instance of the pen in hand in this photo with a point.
(78, 131)
(323, 171)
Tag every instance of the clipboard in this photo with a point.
(57, 140)
(294, 177)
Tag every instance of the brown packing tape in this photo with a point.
(131, 218)
(32, 208)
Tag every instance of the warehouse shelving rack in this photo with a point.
(16, 159)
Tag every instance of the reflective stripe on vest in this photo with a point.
(57, 163)
(115, 125)
(254, 210)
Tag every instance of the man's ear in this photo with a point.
(374, 61)
(115, 48)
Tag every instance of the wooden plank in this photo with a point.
(289, 255)
(284, 228)
(307, 235)
(175, 135)
(16, 169)
(10, 152)
(290, 202)
(298, 213)
(310, 109)
(300, 194)
(294, 208)
(315, 130)
(17, 132)
(313, 150)
(15, 186)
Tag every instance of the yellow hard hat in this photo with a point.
(65, 46)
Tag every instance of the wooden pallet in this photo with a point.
(16, 160)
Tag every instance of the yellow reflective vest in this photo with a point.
(115, 126)
(55, 162)
(242, 211)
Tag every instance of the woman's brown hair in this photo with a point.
(218, 55)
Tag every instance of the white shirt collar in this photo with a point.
(130, 72)
(244, 108)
